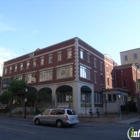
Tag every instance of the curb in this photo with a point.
(133, 122)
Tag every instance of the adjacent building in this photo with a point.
(130, 56)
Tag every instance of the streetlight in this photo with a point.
(106, 104)
(119, 95)
(25, 100)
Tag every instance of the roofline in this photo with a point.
(114, 89)
(41, 49)
(130, 50)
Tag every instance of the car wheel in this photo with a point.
(37, 121)
(59, 123)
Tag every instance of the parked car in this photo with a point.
(57, 116)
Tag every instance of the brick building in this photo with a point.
(72, 72)
(127, 76)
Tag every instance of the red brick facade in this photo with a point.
(129, 74)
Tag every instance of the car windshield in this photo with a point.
(71, 112)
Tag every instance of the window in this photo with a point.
(123, 72)
(34, 63)
(62, 97)
(15, 68)
(135, 56)
(114, 97)
(59, 56)
(111, 97)
(81, 54)
(6, 82)
(42, 61)
(21, 66)
(64, 72)
(86, 96)
(124, 83)
(70, 112)
(30, 78)
(69, 53)
(18, 77)
(101, 65)
(50, 58)
(125, 58)
(46, 112)
(98, 97)
(27, 65)
(95, 63)
(102, 79)
(88, 57)
(95, 77)
(57, 112)
(45, 75)
(10, 69)
(5, 71)
(85, 72)
(107, 81)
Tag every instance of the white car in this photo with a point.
(57, 116)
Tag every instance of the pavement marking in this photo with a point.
(30, 132)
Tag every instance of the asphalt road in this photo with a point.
(14, 129)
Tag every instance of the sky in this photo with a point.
(109, 26)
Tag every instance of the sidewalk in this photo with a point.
(130, 121)
(30, 118)
(17, 117)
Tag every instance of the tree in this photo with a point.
(16, 86)
(5, 97)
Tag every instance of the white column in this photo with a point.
(54, 97)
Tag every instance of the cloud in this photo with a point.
(5, 55)
(4, 27)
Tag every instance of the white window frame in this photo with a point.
(5, 70)
(34, 63)
(21, 66)
(15, 68)
(30, 77)
(10, 70)
(50, 58)
(95, 76)
(88, 57)
(59, 56)
(101, 65)
(126, 58)
(85, 72)
(135, 56)
(42, 60)
(82, 54)
(98, 98)
(45, 75)
(27, 64)
(95, 62)
(64, 72)
(69, 53)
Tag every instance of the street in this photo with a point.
(15, 129)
